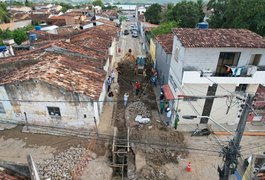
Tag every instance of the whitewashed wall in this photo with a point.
(72, 113)
(207, 58)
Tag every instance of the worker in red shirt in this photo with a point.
(137, 87)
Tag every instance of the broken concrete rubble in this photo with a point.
(61, 166)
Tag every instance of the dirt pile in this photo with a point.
(151, 172)
(134, 109)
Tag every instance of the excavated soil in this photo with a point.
(159, 144)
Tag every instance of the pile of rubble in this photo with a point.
(151, 172)
(61, 166)
(134, 109)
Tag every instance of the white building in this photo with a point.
(208, 62)
(52, 89)
(140, 10)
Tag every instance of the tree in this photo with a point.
(6, 34)
(19, 36)
(187, 13)
(238, 14)
(4, 15)
(164, 28)
(218, 10)
(167, 13)
(153, 14)
(65, 6)
(200, 5)
(98, 3)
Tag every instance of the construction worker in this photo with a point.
(137, 88)
(125, 99)
(168, 116)
(162, 106)
(108, 83)
(110, 97)
(112, 76)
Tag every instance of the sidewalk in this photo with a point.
(105, 125)
(215, 128)
(257, 127)
(156, 90)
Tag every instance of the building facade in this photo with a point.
(163, 56)
(214, 62)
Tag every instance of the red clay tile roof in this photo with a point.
(149, 28)
(110, 30)
(166, 41)
(107, 22)
(32, 56)
(73, 74)
(57, 17)
(93, 53)
(212, 38)
(95, 38)
(62, 48)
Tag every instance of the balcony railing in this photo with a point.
(242, 71)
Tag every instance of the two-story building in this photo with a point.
(210, 62)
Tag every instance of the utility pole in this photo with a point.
(231, 152)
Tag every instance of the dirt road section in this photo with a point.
(149, 159)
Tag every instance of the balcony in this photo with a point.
(193, 76)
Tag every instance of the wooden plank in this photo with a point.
(245, 133)
(128, 138)
(32, 168)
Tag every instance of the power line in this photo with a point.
(76, 101)
(157, 144)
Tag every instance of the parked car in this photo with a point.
(126, 32)
(134, 34)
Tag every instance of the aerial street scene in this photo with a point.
(132, 90)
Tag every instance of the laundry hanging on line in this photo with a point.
(236, 71)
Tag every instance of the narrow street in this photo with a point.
(154, 150)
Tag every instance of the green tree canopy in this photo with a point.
(153, 14)
(187, 13)
(97, 3)
(249, 14)
(19, 36)
(4, 15)
(65, 6)
(164, 28)
(6, 34)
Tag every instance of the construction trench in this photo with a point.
(140, 150)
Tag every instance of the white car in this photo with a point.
(135, 34)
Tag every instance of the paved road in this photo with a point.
(128, 42)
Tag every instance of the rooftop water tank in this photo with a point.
(3, 48)
(38, 28)
(202, 25)
(32, 37)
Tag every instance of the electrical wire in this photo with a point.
(158, 145)
(85, 101)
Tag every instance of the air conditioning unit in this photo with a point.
(207, 73)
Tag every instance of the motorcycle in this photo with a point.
(201, 132)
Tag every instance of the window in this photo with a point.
(229, 59)
(242, 88)
(176, 53)
(255, 59)
(54, 111)
(2, 109)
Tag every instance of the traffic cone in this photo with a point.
(188, 168)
